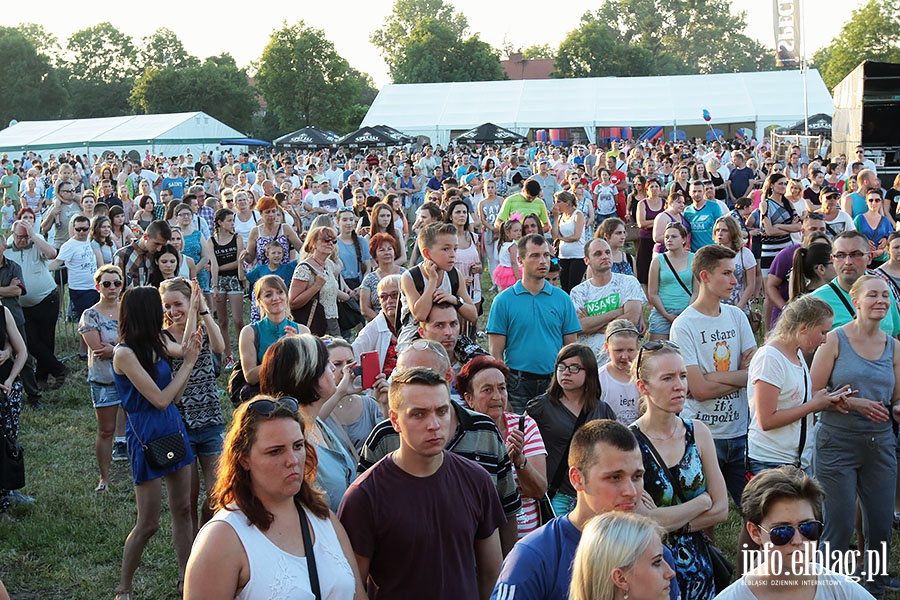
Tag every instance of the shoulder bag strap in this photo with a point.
(803, 420)
(843, 298)
(677, 276)
(310, 555)
(564, 463)
(662, 465)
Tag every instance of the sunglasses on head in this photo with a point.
(653, 346)
(108, 284)
(783, 534)
(265, 407)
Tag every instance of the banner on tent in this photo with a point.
(787, 33)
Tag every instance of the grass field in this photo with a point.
(69, 544)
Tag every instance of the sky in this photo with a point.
(208, 30)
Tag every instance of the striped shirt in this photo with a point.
(476, 438)
(527, 517)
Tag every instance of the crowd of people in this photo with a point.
(474, 372)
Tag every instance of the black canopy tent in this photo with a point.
(367, 137)
(401, 137)
(819, 124)
(310, 138)
(488, 133)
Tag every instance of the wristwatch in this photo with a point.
(522, 466)
(459, 302)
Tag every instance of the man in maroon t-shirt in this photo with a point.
(423, 522)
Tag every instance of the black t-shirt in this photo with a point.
(891, 197)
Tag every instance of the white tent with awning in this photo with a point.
(757, 100)
(169, 134)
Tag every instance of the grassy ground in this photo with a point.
(69, 544)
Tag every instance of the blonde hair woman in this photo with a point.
(620, 556)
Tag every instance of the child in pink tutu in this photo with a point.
(507, 272)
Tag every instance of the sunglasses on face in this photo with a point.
(327, 240)
(783, 534)
(266, 407)
(108, 284)
(653, 346)
(82, 229)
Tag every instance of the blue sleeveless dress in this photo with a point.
(693, 566)
(148, 423)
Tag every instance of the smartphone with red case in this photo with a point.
(369, 363)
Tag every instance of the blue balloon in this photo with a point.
(706, 116)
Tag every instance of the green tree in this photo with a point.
(870, 34)
(43, 41)
(425, 42)
(163, 49)
(595, 49)
(102, 53)
(687, 36)
(304, 81)
(538, 52)
(101, 71)
(217, 87)
(32, 86)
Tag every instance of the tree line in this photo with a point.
(302, 80)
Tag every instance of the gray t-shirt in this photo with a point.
(716, 344)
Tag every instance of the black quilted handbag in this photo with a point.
(166, 451)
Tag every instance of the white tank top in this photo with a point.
(277, 575)
(567, 228)
(242, 228)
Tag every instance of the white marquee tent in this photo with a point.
(757, 100)
(169, 134)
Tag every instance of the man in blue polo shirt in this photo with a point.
(702, 215)
(607, 472)
(529, 323)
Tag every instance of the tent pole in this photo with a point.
(804, 68)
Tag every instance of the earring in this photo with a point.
(626, 596)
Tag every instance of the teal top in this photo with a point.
(671, 294)
(269, 333)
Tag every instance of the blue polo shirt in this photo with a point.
(534, 326)
(539, 567)
(702, 222)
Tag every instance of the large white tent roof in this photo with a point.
(762, 99)
(169, 134)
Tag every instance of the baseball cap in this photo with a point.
(829, 190)
(11, 167)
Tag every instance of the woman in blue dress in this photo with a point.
(683, 487)
(148, 390)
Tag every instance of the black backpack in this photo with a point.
(419, 281)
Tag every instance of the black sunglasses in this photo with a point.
(265, 407)
(108, 284)
(653, 346)
(82, 229)
(783, 534)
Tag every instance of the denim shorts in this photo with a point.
(103, 395)
(659, 324)
(206, 440)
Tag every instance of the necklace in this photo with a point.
(663, 438)
(349, 399)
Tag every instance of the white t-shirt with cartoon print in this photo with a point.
(716, 344)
